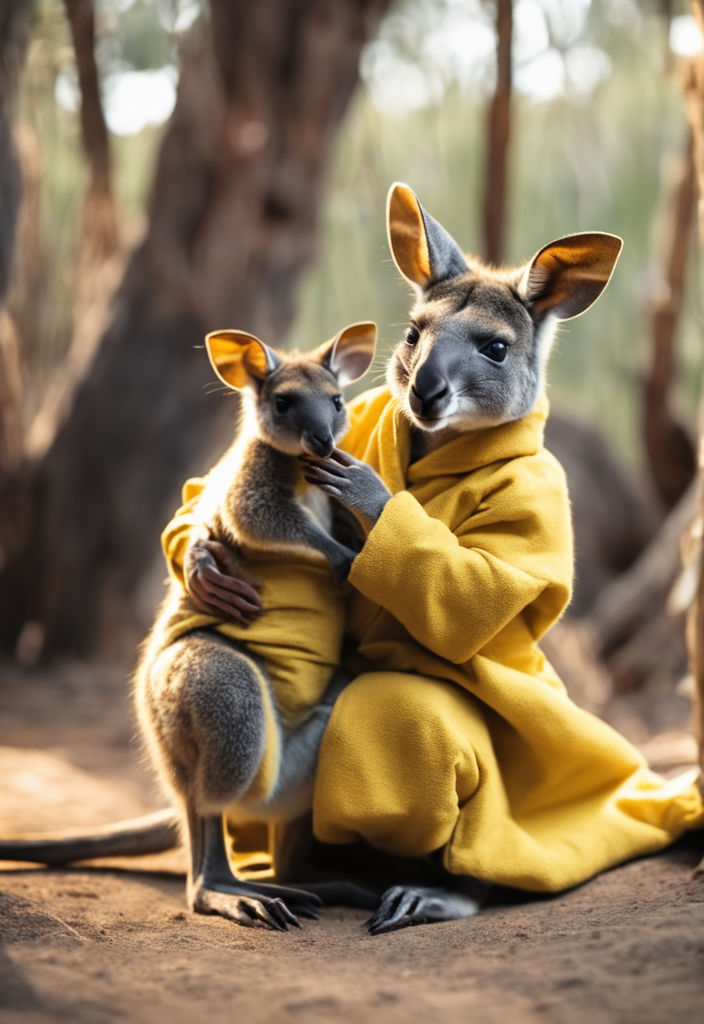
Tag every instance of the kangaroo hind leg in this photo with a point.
(213, 888)
(202, 705)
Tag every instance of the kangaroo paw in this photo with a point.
(253, 905)
(402, 905)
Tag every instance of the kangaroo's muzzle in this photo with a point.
(321, 443)
(429, 393)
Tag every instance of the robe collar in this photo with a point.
(389, 447)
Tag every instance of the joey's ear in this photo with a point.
(423, 250)
(349, 354)
(352, 351)
(239, 358)
(568, 275)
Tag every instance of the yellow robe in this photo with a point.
(463, 738)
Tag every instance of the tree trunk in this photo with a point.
(14, 19)
(499, 131)
(694, 103)
(99, 228)
(14, 22)
(232, 223)
(668, 446)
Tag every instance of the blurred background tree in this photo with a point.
(515, 123)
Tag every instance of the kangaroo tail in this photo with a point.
(152, 833)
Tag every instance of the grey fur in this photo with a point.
(260, 507)
(353, 484)
(444, 373)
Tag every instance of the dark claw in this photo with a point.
(255, 904)
(297, 901)
(261, 913)
(409, 905)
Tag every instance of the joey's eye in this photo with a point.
(412, 336)
(337, 402)
(496, 351)
(283, 403)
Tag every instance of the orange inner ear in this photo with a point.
(568, 275)
(236, 357)
(255, 360)
(407, 235)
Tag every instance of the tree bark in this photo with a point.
(14, 22)
(14, 19)
(232, 223)
(668, 446)
(499, 132)
(694, 103)
(99, 228)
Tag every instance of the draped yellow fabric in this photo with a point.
(299, 597)
(298, 636)
(463, 737)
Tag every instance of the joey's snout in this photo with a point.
(318, 442)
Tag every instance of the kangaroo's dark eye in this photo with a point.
(412, 336)
(283, 403)
(337, 402)
(496, 351)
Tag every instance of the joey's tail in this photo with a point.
(152, 833)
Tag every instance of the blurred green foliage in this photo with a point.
(583, 160)
(594, 161)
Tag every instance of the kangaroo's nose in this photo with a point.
(430, 395)
(321, 443)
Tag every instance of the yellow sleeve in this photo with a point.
(176, 535)
(454, 592)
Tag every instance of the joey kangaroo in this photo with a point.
(292, 407)
(233, 711)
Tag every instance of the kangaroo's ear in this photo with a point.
(239, 358)
(353, 351)
(568, 275)
(349, 354)
(423, 250)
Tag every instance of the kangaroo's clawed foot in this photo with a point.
(214, 889)
(402, 905)
(254, 905)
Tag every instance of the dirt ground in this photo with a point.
(114, 942)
